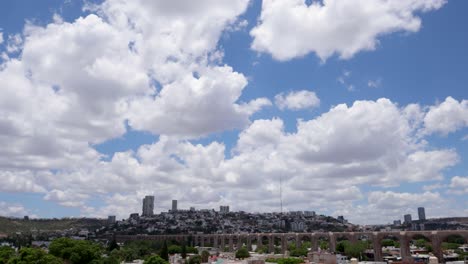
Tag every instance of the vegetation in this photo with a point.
(351, 250)
(28, 255)
(195, 259)
(75, 251)
(242, 253)
(12, 225)
(205, 255)
(155, 260)
(298, 252)
(285, 260)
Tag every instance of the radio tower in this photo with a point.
(281, 195)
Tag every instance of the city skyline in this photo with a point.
(262, 106)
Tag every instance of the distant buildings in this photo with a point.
(111, 219)
(174, 205)
(148, 206)
(407, 218)
(421, 213)
(224, 209)
(397, 222)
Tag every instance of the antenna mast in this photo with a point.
(281, 195)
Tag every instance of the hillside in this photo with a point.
(13, 225)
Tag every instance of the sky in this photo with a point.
(358, 107)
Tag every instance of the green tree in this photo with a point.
(183, 251)
(75, 251)
(165, 252)
(5, 254)
(195, 259)
(173, 249)
(242, 253)
(323, 244)
(113, 245)
(204, 256)
(388, 243)
(34, 255)
(155, 260)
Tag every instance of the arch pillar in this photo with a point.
(436, 246)
(271, 246)
(223, 242)
(332, 243)
(298, 241)
(249, 243)
(377, 245)
(216, 238)
(259, 241)
(314, 243)
(231, 244)
(284, 243)
(202, 241)
(405, 248)
(239, 242)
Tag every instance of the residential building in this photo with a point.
(407, 218)
(174, 205)
(224, 209)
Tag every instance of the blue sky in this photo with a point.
(210, 103)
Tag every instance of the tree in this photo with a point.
(195, 259)
(5, 254)
(183, 251)
(34, 255)
(165, 252)
(204, 256)
(76, 251)
(155, 260)
(242, 253)
(173, 249)
(113, 245)
(388, 243)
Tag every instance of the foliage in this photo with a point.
(173, 249)
(297, 252)
(262, 249)
(76, 251)
(388, 243)
(165, 252)
(242, 253)
(5, 254)
(195, 259)
(34, 255)
(204, 256)
(456, 239)
(113, 245)
(285, 260)
(447, 245)
(323, 244)
(155, 260)
(183, 251)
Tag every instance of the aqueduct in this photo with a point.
(234, 241)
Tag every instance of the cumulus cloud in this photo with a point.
(459, 185)
(289, 29)
(446, 117)
(297, 100)
(369, 142)
(13, 209)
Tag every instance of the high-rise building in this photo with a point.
(224, 209)
(407, 218)
(111, 219)
(148, 206)
(174, 205)
(421, 213)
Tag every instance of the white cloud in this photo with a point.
(289, 29)
(328, 158)
(374, 83)
(12, 209)
(297, 100)
(446, 117)
(1, 37)
(459, 185)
